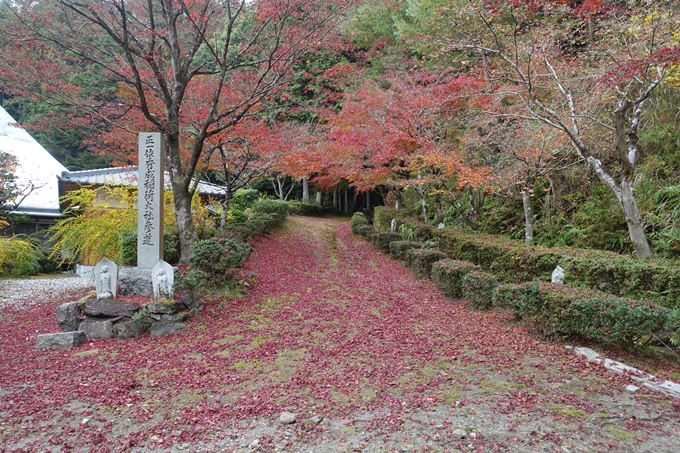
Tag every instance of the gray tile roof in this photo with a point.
(126, 176)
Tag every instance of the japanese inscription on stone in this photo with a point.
(150, 201)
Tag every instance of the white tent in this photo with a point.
(37, 169)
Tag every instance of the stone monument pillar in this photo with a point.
(150, 200)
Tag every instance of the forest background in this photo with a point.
(556, 122)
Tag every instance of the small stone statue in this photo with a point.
(163, 288)
(558, 275)
(163, 278)
(106, 279)
(393, 225)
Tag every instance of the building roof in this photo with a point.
(126, 176)
(36, 167)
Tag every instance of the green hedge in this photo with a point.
(365, 230)
(421, 260)
(419, 231)
(358, 220)
(655, 279)
(275, 207)
(479, 287)
(383, 239)
(214, 263)
(308, 209)
(448, 275)
(383, 215)
(513, 296)
(399, 249)
(559, 311)
(673, 326)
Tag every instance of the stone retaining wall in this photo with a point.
(111, 318)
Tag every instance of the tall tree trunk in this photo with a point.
(346, 207)
(423, 206)
(423, 202)
(636, 229)
(335, 199)
(528, 217)
(368, 200)
(305, 190)
(438, 208)
(280, 183)
(472, 218)
(182, 195)
(226, 202)
(319, 195)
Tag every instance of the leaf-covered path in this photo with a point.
(329, 328)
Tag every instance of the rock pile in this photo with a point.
(111, 318)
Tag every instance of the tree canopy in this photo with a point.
(524, 105)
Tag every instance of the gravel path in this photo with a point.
(25, 292)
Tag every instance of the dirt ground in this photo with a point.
(366, 356)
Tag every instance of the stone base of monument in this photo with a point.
(112, 318)
(133, 281)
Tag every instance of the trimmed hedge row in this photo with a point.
(383, 239)
(308, 209)
(559, 311)
(657, 280)
(358, 220)
(422, 260)
(448, 275)
(383, 215)
(399, 249)
(479, 288)
(266, 216)
(554, 310)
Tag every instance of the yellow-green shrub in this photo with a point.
(100, 218)
(18, 257)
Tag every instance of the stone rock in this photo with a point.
(67, 316)
(192, 301)
(160, 329)
(177, 317)
(558, 275)
(164, 308)
(459, 433)
(61, 340)
(287, 418)
(316, 419)
(110, 308)
(650, 381)
(128, 329)
(135, 282)
(97, 330)
(393, 225)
